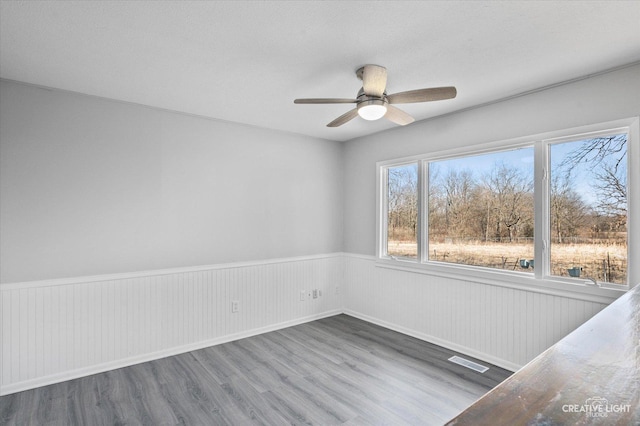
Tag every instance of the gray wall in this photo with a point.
(91, 186)
(610, 96)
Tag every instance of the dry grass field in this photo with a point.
(603, 262)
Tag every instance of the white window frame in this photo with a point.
(540, 280)
(383, 182)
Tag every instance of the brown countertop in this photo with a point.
(591, 377)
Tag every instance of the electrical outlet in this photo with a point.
(337, 290)
(315, 293)
(235, 306)
(319, 293)
(302, 294)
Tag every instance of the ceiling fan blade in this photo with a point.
(398, 116)
(423, 95)
(374, 80)
(350, 115)
(325, 101)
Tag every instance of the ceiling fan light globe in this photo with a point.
(372, 110)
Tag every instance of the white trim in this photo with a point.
(382, 175)
(515, 280)
(591, 133)
(360, 256)
(541, 222)
(541, 278)
(126, 362)
(421, 250)
(579, 290)
(633, 203)
(436, 341)
(471, 148)
(160, 272)
(596, 295)
(423, 218)
(381, 211)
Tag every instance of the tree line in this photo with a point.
(498, 205)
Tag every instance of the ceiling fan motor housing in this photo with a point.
(373, 103)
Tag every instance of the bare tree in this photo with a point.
(605, 159)
(403, 202)
(508, 188)
(568, 211)
(458, 187)
(597, 151)
(611, 186)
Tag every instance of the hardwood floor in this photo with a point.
(337, 370)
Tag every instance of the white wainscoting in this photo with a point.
(57, 330)
(503, 325)
(61, 329)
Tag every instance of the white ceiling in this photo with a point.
(246, 61)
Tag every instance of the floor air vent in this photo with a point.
(469, 364)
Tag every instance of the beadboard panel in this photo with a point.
(57, 330)
(60, 329)
(502, 325)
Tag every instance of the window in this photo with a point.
(552, 209)
(588, 208)
(402, 211)
(481, 210)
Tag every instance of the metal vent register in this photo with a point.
(469, 364)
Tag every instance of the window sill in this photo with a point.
(579, 290)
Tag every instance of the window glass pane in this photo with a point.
(402, 211)
(588, 208)
(481, 210)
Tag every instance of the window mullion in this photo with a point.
(423, 211)
(541, 210)
(633, 187)
(382, 211)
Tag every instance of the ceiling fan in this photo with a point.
(373, 102)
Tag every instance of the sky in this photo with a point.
(523, 159)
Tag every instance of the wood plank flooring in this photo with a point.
(334, 371)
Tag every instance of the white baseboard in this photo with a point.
(126, 362)
(436, 341)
